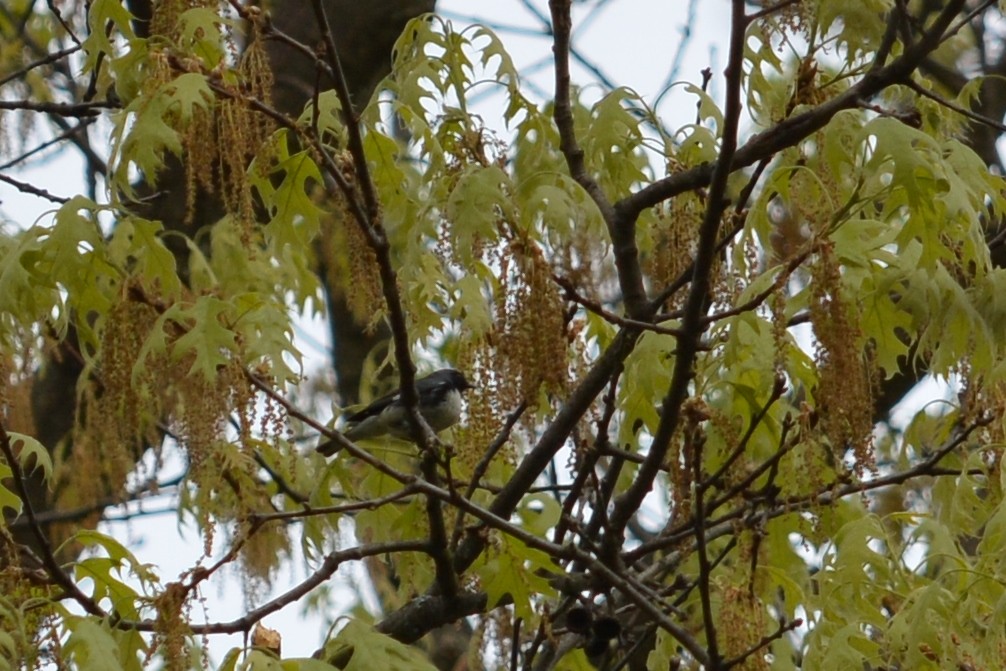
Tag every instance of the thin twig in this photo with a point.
(963, 111)
(368, 504)
(82, 512)
(772, 9)
(25, 187)
(780, 281)
(69, 133)
(784, 628)
(88, 109)
(502, 436)
(328, 568)
(827, 495)
(45, 60)
(777, 391)
(610, 317)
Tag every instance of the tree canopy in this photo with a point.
(685, 340)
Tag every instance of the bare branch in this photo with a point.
(44, 60)
(24, 187)
(86, 109)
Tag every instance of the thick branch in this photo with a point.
(622, 232)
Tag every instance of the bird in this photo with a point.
(439, 404)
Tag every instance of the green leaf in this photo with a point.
(102, 15)
(116, 550)
(231, 659)
(98, 571)
(368, 650)
(186, 92)
(8, 650)
(201, 34)
(91, 646)
(612, 142)
(141, 137)
(206, 336)
(698, 145)
(539, 513)
(327, 115)
(414, 71)
(470, 305)
(884, 321)
(294, 215)
(576, 660)
(77, 260)
(491, 49)
(305, 664)
(119, 556)
(512, 571)
(268, 335)
(708, 109)
(24, 291)
(8, 499)
(859, 31)
(32, 448)
(476, 204)
(664, 652)
(137, 240)
(649, 369)
(921, 623)
(260, 660)
(148, 126)
(908, 154)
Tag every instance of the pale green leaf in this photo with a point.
(368, 650)
(512, 571)
(101, 16)
(231, 659)
(91, 647)
(8, 499)
(206, 335)
(32, 455)
(539, 513)
(201, 34)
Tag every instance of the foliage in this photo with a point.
(679, 338)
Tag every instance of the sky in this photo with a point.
(632, 43)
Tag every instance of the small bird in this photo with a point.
(439, 404)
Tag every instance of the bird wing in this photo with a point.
(431, 386)
(375, 408)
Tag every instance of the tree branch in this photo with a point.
(622, 234)
(793, 130)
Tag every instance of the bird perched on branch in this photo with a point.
(439, 404)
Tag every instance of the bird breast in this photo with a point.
(444, 414)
